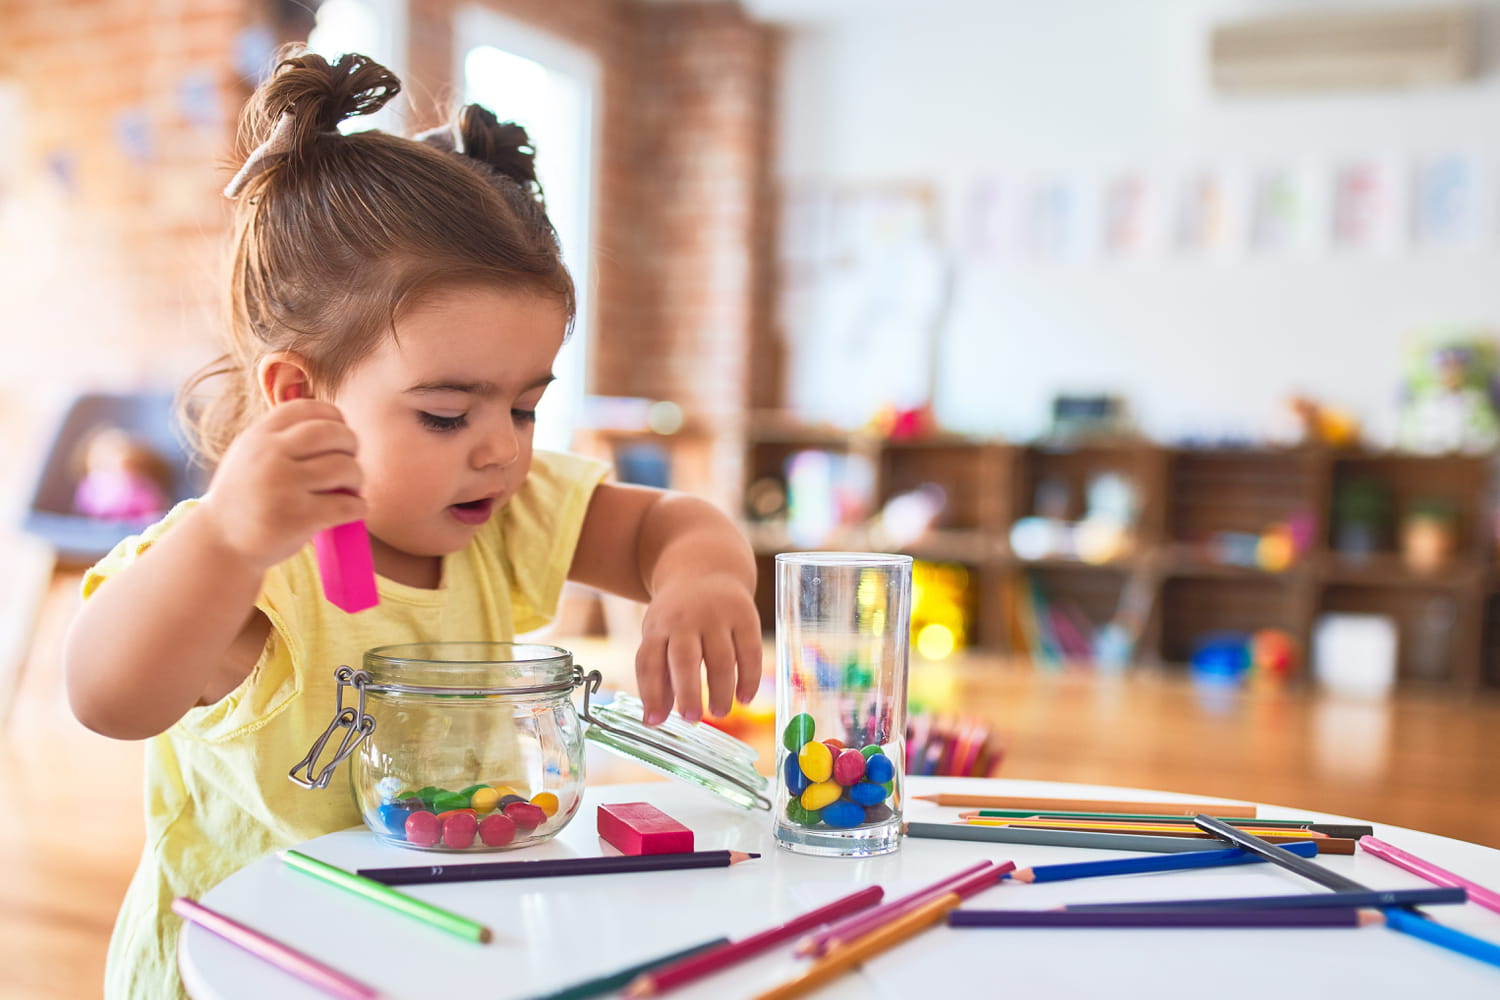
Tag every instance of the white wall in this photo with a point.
(1085, 88)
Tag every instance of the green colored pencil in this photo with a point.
(386, 896)
(618, 980)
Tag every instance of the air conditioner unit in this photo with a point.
(1345, 50)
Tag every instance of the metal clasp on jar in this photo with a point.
(355, 721)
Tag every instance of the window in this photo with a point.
(550, 88)
(375, 28)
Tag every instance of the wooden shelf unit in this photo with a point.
(1448, 621)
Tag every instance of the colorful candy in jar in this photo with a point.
(832, 784)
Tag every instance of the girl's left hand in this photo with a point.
(709, 620)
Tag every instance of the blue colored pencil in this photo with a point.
(1302, 901)
(1444, 937)
(1151, 863)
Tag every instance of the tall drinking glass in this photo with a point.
(842, 624)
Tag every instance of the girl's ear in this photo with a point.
(283, 375)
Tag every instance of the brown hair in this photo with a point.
(333, 234)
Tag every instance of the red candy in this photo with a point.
(423, 829)
(458, 829)
(525, 815)
(848, 767)
(497, 830)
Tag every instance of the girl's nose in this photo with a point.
(499, 448)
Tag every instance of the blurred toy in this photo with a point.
(1325, 425)
(1274, 657)
(123, 478)
(1428, 536)
(904, 425)
(1077, 418)
(939, 608)
(1448, 402)
(1361, 517)
(906, 517)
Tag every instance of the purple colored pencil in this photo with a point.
(273, 952)
(1159, 918)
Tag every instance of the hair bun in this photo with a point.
(317, 95)
(504, 147)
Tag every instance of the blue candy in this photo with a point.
(843, 813)
(796, 781)
(879, 769)
(867, 793)
(392, 819)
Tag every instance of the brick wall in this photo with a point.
(111, 222)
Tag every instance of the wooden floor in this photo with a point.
(1431, 761)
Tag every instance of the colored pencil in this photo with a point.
(375, 892)
(1291, 862)
(1153, 863)
(1344, 917)
(1184, 828)
(1326, 844)
(1419, 926)
(273, 952)
(616, 980)
(835, 963)
(555, 867)
(660, 980)
(1088, 805)
(857, 926)
(1487, 898)
(1058, 838)
(1309, 900)
(1351, 830)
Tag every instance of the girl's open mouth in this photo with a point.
(474, 511)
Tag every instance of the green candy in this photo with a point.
(801, 816)
(871, 750)
(890, 787)
(443, 801)
(798, 732)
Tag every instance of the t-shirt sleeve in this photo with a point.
(128, 550)
(540, 529)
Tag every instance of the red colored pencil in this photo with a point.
(857, 926)
(669, 977)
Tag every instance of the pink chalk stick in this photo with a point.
(346, 566)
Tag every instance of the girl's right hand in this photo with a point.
(286, 477)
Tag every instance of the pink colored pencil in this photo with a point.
(668, 977)
(273, 952)
(1487, 898)
(965, 883)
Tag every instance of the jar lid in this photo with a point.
(696, 753)
(471, 668)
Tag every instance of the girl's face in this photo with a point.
(444, 414)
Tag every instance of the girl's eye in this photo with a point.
(434, 422)
(523, 416)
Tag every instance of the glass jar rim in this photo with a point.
(471, 667)
(847, 559)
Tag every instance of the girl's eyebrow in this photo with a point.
(484, 388)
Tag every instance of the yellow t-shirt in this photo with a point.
(217, 792)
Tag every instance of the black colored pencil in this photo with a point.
(1311, 900)
(614, 981)
(1347, 917)
(555, 867)
(1286, 859)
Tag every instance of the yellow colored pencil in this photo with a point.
(843, 958)
(1166, 829)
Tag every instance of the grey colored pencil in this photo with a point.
(1061, 838)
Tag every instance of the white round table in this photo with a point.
(556, 931)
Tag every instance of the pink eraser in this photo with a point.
(346, 566)
(641, 828)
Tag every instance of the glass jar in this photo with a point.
(460, 746)
(477, 746)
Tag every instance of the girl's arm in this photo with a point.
(178, 627)
(686, 558)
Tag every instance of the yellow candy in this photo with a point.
(546, 802)
(484, 800)
(503, 790)
(816, 761)
(822, 794)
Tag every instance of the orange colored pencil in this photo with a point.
(842, 959)
(1088, 805)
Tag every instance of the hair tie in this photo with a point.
(277, 144)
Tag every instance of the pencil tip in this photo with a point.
(1368, 917)
(641, 986)
(1023, 875)
(735, 857)
(925, 798)
(485, 935)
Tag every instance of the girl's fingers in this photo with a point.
(313, 438)
(651, 679)
(718, 662)
(684, 659)
(747, 653)
(328, 473)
